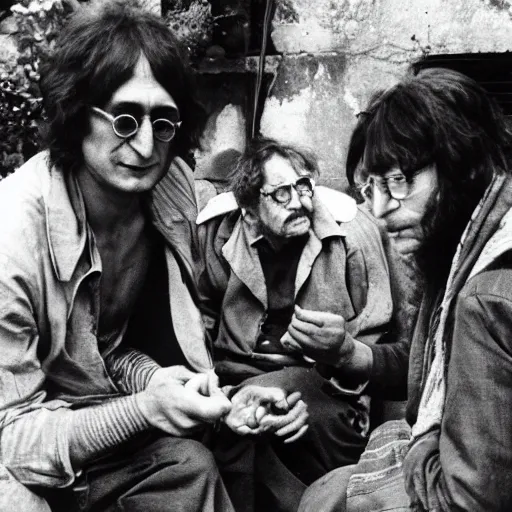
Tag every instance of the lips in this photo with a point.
(139, 168)
(406, 240)
(415, 232)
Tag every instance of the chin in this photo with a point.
(141, 183)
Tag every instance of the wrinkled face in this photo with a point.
(278, 219)
(406, 219)
(137, 163)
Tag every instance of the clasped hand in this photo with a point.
(319, 335)
(179, 401)
(257, 409)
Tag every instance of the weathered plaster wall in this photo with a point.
(337, 52)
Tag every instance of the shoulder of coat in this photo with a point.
(220, 204)
(341, 206)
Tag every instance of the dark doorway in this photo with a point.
(493, 71)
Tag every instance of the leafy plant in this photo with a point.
(38, 23)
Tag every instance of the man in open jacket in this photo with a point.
(105, 378)
(279, 254)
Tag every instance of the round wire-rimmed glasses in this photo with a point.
(126, 126)
(304, 186)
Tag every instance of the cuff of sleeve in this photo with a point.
(337, 389)
(378, 370)
(35, 449)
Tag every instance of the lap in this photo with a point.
(147, 475)
(329, 493)
(13, 492)
(337, 424)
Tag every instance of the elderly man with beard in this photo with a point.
(435, 168)
(278, 248)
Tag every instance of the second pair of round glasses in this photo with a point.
(395, 186)
(304, 186)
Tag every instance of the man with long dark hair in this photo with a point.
(105, 379)
(432, 158)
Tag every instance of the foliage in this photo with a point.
(38, 23)
(191, 21)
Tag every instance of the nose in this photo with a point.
(294, 203)
(143, 142)
(382, 203)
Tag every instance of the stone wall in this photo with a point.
(337, 52)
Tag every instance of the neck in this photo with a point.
(276, 242)
(108, 210)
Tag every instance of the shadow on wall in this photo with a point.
(216, 178)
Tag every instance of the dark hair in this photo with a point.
(438, 117)
(248, 177)
(95, 54)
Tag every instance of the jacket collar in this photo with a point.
(484, 224)
(65, 223)
(171, 204)
(240, 252)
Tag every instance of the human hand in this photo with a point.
(249, 405)
(293, 422)
(319, 335)
(179, 401)
(258, 409)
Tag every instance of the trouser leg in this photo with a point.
(329, 493)
(168, 474)
(334, 438)
(257, 481)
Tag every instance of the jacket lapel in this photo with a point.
(244, 261)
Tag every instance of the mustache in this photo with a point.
(297, 214)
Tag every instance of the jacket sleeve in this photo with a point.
(38, 437)
(388, 379)
(466, 466)
(369, 285)
(33, 432)
(130, 369)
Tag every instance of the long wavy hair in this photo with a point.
(247, 179)
(438, 117)
(95, 54)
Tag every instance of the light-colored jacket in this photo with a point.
(49, 305)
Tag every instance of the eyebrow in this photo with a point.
(167, 111)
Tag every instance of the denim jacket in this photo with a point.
(49, 307)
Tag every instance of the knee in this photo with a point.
(328, 493)
(184, 455)
(199, 459)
